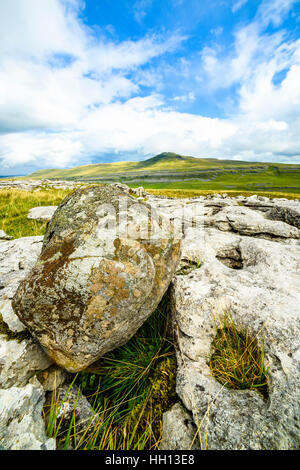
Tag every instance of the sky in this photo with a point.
(98, 81)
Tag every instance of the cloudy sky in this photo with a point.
(101, 80)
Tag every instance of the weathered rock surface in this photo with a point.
(246, 221)
(42, 213)
(242, 262)
(38, 185)
(70, 403)
(19, 361)
(179, 431)
(21, 423)
(17, 257)
(91, 289)
(53, 378)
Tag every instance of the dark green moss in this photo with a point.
(162, 396)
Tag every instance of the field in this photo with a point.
(14, 207)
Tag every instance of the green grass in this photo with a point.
(237, 361)
(129, 389)
(267, 181)
(14, 207)
(187, 266)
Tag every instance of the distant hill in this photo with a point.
(170, 170)
(163, 162)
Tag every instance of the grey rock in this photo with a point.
(19, 361)
(52, 378)
(92, 288)
(242, 257)
(283, 210)
(140, 192)
(72, 403)
(17, 257)
(4, 236)
(21, 423)
(262, 296)
(245, 221)
(42, 213)
(179, 431)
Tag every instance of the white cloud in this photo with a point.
(184, 98)
(34, 29)
(274, 11)
(238, 5)
(268, 111)
(138, 125)
(35, 92)
(140, 9)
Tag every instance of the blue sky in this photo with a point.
(100, 80)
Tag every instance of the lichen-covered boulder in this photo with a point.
(105, 264)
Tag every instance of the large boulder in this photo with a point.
(105, 264)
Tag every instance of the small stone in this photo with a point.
(42, 213)
(4, 236)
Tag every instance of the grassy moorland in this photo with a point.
(168, 171)
(189, 193)
(14, 207)
(266, 181)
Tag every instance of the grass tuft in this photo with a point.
(237, 361)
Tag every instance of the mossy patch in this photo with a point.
(162, 397)
(187, 266)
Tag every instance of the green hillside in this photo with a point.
(173, 171)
